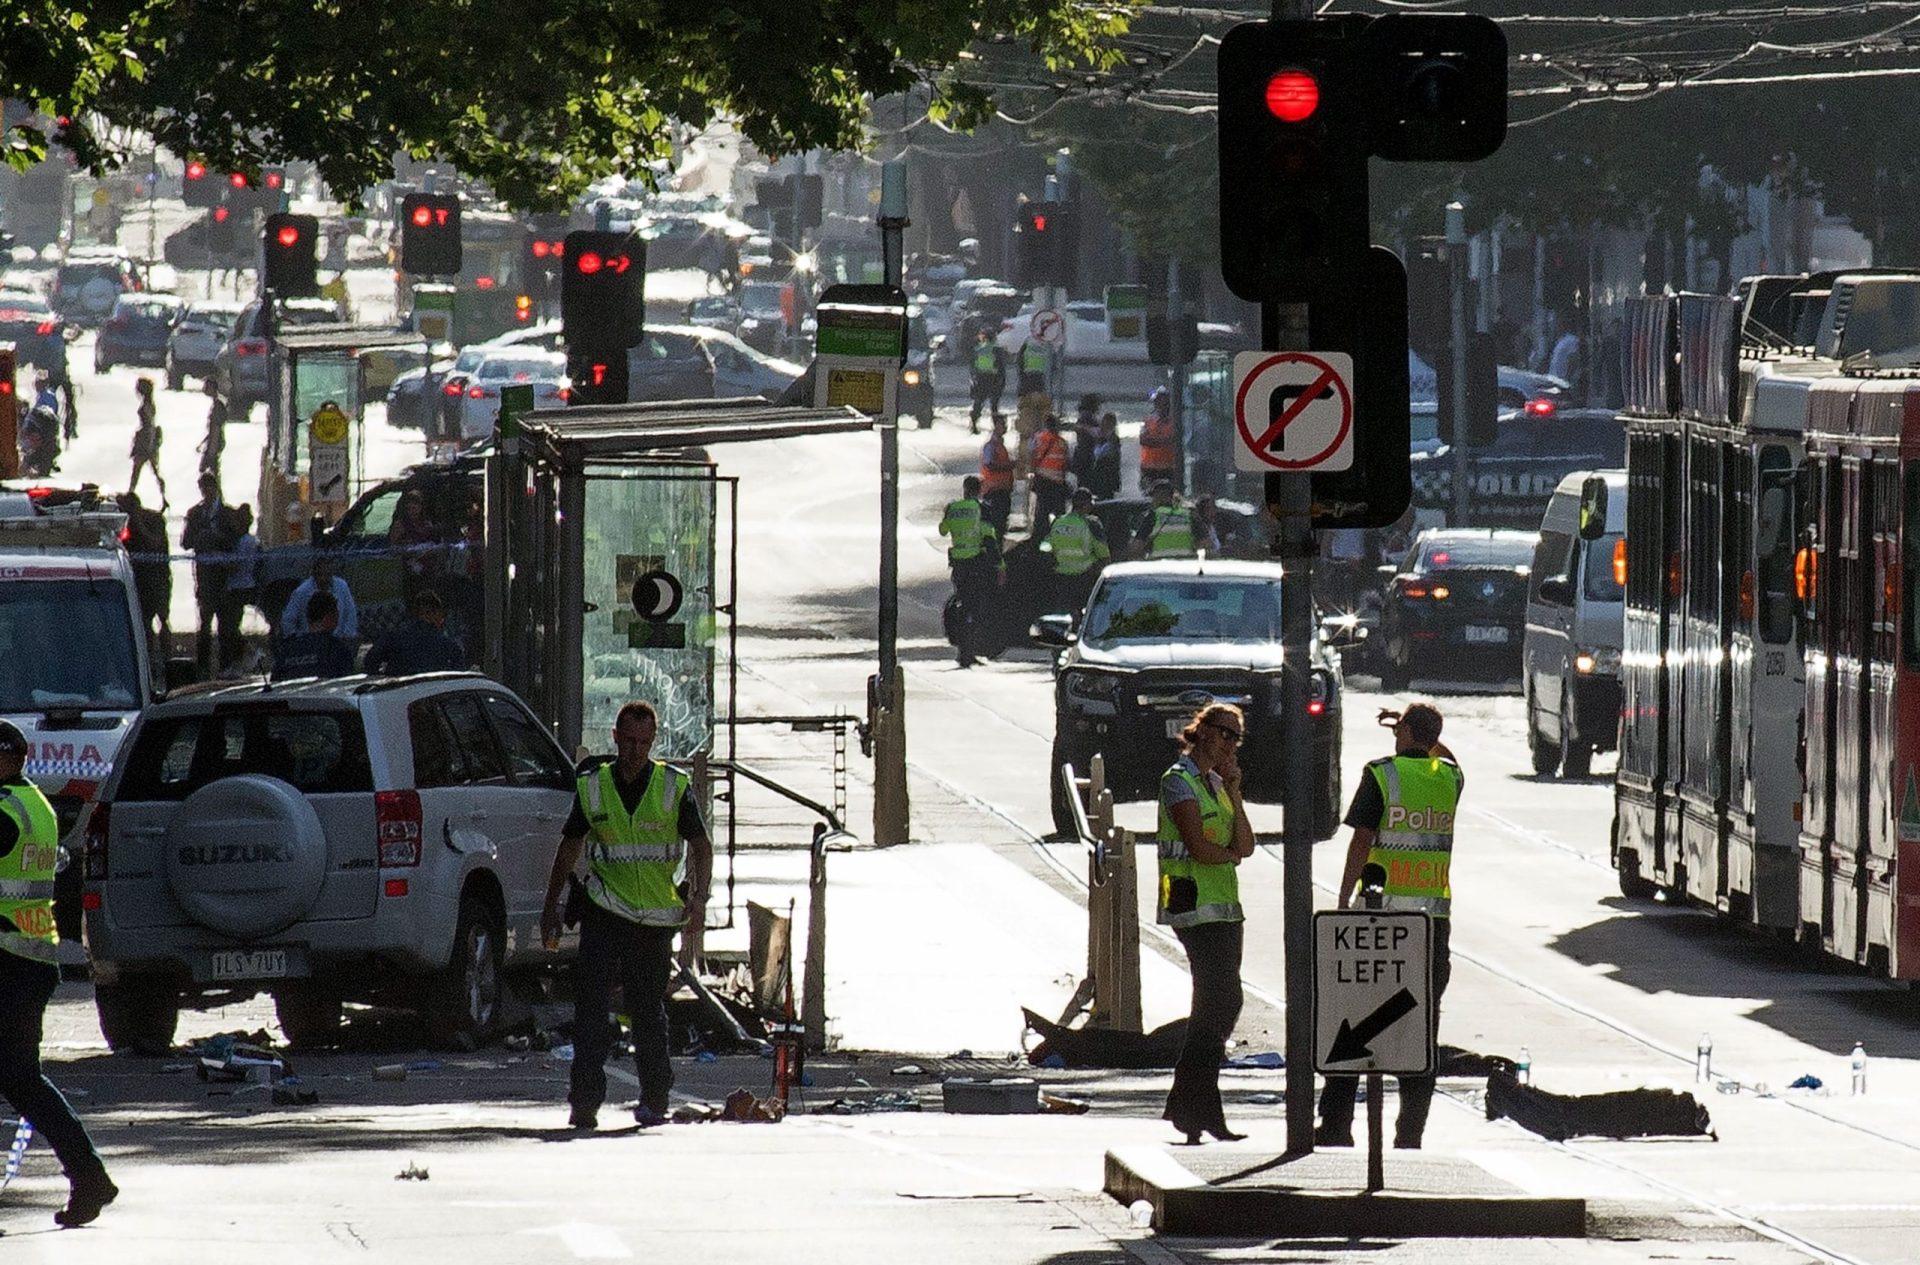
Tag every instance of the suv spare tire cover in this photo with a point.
(246, 855)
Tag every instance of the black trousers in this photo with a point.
(1416, 1092)
(640, 959)
(987, 390)
(1213, 960)
(973, 582)
(1049, 502)
(25, 989)
(995, 507)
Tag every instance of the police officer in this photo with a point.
(1034, 361)
(29, 852)
(1047, 459)
(1167, 532)
(973, 557)
(1204, 834)
(996, 477)
(650, 867)
(1079, 549)
(989, 377)
(1159, 446)
(1402, 819)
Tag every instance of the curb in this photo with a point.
(1185, 1204)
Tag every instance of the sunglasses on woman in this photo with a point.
(1226, 731)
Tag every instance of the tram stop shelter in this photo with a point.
(314, 367)
(617, 579)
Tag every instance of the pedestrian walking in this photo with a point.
(1047, 458)
(419, 645)
(208, 535)
(242, 585)
(988, 377)
(316, 652)
(1159, 443)
(29, 972)
(1167, 531)
(1079, 549)
(1204, 835)
(216, 441)
(973, 559)
(1103, 478)
(293, 617)
(996, 477)
(649, 870)
(1418, 785)
(146, 442)
(152, 569)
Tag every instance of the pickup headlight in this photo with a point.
(1602, 661)
(910, 378)
(1092, 692)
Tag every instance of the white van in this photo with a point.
(1576, 613)
(74, 671)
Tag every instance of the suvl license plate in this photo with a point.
(1481, 635)
(1174, 726)
(249, 963)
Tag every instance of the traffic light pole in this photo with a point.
(1283, 326)
(1457, 338)
(890, 812)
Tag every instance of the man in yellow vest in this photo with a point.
(649, 869)
(29, 972)
(1167, 530)
(1079, 549)
(1402, 818)
(973, 558)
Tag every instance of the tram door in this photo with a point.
(1815, 581)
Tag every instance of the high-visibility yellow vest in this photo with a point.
(968, 528)
(985, 358)
(1172, 533)
(1414, 841)
(1033, 358)
(26, 874)
(1074, 546)
(1217, 884)
(635, 859)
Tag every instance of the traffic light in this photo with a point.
(430, 234)
(288, 266)
(1370, 320)
(1171, 342)
(9, 412)
(540, 257)
(597, 377)
(220, 232)
(603, 290)
(200, 187)
(1293, 158)
(809, 200)
(1046, 245)
(1439, 86)
(774, 197)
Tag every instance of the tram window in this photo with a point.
(1773, 548)
(1910, 567)
(1552, 560)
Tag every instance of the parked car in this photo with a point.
(1512, 478)
(1457, 602)
(244, 364)
(1158, 641)
(138, 331)
(714, 311)
(671, 363)
(1576, 623)
(194, 343)
(447, 382)
(37, 332)
(357, 839)
(89, 281)
(544, 371)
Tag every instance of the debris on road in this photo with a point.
(909, 1069)
(411, 1173)
(1631, 1113)
(886, 1100)
(1265, 1059)
(1055, 1105)
(1100, 1048)
(288, 1096)
(1002, 1096)
(742, 1107)
(1807, 1081)
(390, 1072)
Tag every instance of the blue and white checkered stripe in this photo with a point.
(22, 1138)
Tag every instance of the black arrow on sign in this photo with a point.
(1354, 1040)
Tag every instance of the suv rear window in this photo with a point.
(318, 752)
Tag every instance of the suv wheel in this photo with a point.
(139, 1017)
(465, 1004)
(309, 1016)
(1546, 755)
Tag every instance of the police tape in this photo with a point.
(307, 552)
(22, 1138)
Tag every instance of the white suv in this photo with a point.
(360, 839)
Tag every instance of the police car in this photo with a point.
(74, 667)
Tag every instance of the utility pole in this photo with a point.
(890, 808)
(1176, 330)
(1457, 350)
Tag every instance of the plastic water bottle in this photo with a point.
(1858, 1061)
(1523, 1070)
(1703, 1058)
(1141, 1213)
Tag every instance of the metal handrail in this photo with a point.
(760, 779)
(1083, 829)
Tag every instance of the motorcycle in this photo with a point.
(40, 442)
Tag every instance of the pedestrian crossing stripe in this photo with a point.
(1910, 811)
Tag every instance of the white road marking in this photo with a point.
(587, 1242)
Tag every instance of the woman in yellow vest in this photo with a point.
(1204, 835)
(29, 972)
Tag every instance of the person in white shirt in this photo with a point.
(1564, 361)
(293, 620)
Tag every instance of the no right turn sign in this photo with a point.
(1293, 410)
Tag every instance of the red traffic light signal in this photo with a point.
(196, 171)
(197, 187)
(430, 234)
(1293, 96)
(602, 290)
(220, 214)
(288, 265)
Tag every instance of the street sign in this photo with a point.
(1049, 326)
(1373, 991)
(329, 424)
(327, 475)
(860, 343)
(516, 401)
(1293, 410)
(1126, 312)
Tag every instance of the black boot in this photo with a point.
(89, 1195)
